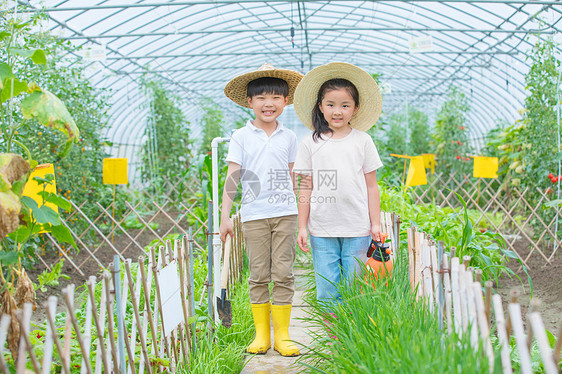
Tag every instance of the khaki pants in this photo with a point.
(271, 243)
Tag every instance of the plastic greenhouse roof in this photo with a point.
(195, 47)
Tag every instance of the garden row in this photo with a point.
(433, 314)
(141, 317)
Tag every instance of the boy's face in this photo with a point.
(267, 107)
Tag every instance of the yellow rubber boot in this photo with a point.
(281, 315)
(262, 342)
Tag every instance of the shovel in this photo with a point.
(224, 307)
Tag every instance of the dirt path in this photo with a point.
(273, 362)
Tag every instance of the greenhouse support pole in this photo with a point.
(217, 244)
(210, 262)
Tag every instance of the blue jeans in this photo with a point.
(335, 259)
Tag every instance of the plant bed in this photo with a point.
(386, 330)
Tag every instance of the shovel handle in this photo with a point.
(226, 262)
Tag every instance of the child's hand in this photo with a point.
(302, 240)
(376, 233)
(226, 228)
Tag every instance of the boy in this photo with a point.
(261, 155)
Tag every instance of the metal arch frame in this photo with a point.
(498, 42)
(286, 30)
(65, 26)
(216, 2)
(449, 60)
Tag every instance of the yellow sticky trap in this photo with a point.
(485, 167)
(429, 161)
(416, 172)
(32, 188)
(115, 171)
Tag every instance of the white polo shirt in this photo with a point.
(267, 188)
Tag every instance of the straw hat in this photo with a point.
(370, 99)
(235, 90)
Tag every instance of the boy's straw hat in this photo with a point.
(235, 90)
(370, 99)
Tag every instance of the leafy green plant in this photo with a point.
(51, 278)
(526, 148)
(450, 134)
(222, 351)
(454, 227)
(213, 124)
(166, 152)
(380, 327)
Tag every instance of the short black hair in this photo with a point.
(267, 85)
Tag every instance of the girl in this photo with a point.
(339, 200)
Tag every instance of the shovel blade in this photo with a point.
(224, 308)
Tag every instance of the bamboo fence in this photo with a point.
(123, 330)
(522, 216)
(463, 305)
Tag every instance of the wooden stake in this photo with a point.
(483, 323)
(452, 255)
(109, 311)
(4, 326)
(129, 352)
(488, 303)
(411, 258)
(190, 288)
(533, 307)
(67, 293)
(68, 326)
(87, 334)
(183, 299)
(148, 307)
(457, 314)
(137, 316)
(463, 297)
(478, 274)
(51, 312)
(448, 293)
(519, 333)
(48, 348)
(159, 300)
(104, 342)
(542, 342)
(465, 261)
(471, 304)
(90, 285)
(24, 319)
(515, 293)
(558, 347)
(502, 335)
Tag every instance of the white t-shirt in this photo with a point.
(339, 203)
(267, 188)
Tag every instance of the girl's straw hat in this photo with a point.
(370, 99)
(235, 90)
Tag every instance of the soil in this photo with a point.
(547, 285)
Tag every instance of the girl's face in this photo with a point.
(338, 107)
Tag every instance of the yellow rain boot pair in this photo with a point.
(281, 315)
(262, 341)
